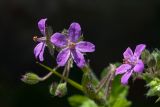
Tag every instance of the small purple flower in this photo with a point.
(39, 49)
(132, 63)
(71, 47)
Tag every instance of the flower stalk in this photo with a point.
(71, 82)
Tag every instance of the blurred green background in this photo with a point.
(112, 25)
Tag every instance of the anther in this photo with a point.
(35, 38)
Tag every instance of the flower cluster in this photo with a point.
(70, 45)
(71, 48)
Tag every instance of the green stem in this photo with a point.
(46, 76)
(86, 69)
(73, 83)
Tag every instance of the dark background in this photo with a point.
(112, 25)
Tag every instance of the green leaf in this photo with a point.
(118, 94)
(154, 90)
(81, 101)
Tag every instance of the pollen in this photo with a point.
(35, 38)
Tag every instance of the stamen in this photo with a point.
(125, 61)
(35, 38)
(71, 45)
(41, 39)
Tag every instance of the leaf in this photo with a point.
(154, 90)
(81, 101)
(118, 94)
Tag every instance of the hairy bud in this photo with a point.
(61, 90)
(31, 78)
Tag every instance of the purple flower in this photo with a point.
(39, 49)
(71, 47)
(132, 63)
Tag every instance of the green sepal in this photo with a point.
(64, 32)
(61, 90)
(52, 88)
(49, 33)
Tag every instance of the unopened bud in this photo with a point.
(30, 78)
(61, 90)
(53, 88)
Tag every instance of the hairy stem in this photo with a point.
(46, 76)
(73, 83)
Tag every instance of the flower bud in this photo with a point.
(61, 90)
(53, 88)
(30, 78)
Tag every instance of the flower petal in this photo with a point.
(139, 66)
(84, 46)
(41, 58)
(125, 77)
(122, 69)
(63, 56)
(78, 58)
(139, 49)
(39, 50)
(59, 40)
(42, 25)
(74, 32)
(128, 53)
